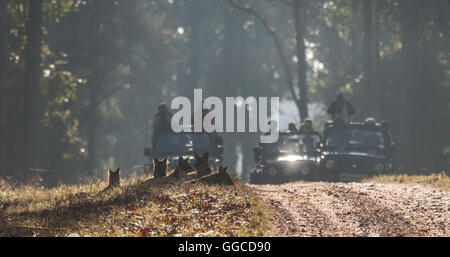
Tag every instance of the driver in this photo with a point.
(307, 126)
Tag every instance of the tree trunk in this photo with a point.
(231, 77)
(3, 95)
(368, 51)
(195, 23)
(32, 86)
(377, 80)
(300, 26)
(93, 123)
(410, 83)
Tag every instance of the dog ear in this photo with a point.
(118, 170)
(205, 156)
(155, 160)
(165, 160)
(180, 159)
(109, 171)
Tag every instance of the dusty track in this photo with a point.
(355, 209)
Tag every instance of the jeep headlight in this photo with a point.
(272, 171)
(379, 167)
(329, 164)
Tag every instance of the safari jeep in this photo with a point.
(292, 157)
(354, 152)
(185, 144)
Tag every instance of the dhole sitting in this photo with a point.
(114, 178)
(182, 168)
(159, 168)
(202, 165)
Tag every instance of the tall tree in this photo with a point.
(367, 56)
(300, 8)
(410, 85)
(3, 96)
(195, 40)
(31, 118)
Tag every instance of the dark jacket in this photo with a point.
(161, 125)
(337, 107)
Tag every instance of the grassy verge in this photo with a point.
(439, 180)
(173, 209)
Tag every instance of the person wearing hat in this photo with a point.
(340, 106)
(308, 140)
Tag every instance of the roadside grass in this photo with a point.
(173, 209)
(437, 180)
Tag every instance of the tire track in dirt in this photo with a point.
(426, 210)
(355, 209)
(371, 217)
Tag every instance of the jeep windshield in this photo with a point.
(301, 144)
(173, 144)
(355, 140)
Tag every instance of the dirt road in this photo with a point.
(355, 209)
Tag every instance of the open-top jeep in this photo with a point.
(292, 157)
(354, 152)
(185, 144)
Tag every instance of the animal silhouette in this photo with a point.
(114, 178)
(182, 168)
(218, 178)
(202, 165)
(159, 167)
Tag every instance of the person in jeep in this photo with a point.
(340, 106)
(307, 128)
(161, 122)
(385, 125)
(292, 128)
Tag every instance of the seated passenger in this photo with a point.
(308, 141)
(307, 126)
(385, 126)
(292, 128)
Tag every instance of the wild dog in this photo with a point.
(221, 178)
(182, 168)
(202, 165)
(114, 178)
(4, 229)
(159, 168)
